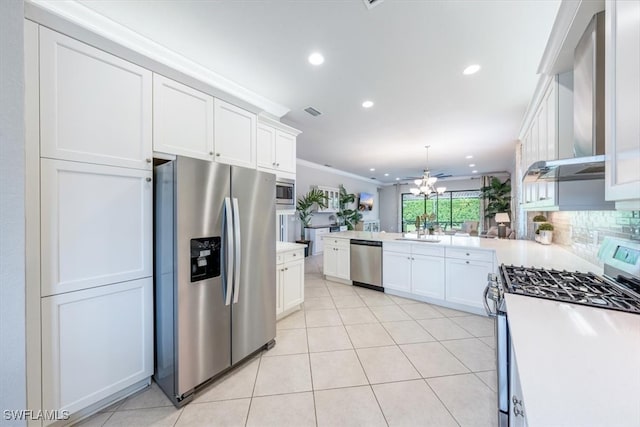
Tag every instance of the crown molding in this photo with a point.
(327, 169)
(92, 21)
(270, 121)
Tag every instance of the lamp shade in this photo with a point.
(502, 217)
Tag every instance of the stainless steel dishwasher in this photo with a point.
(366, 264)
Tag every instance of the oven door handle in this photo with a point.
(485, 294)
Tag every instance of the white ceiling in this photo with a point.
(406, 56)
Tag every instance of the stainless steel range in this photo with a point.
(617, 289)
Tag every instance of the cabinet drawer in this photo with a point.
(293, 255)
(427, 249)
(396, 247)
(338, 243)
(471, 254)
(279, 258)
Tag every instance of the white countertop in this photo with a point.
(515, 252)
(288, 246)
(579, 366)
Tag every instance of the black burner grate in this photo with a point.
(577, 288)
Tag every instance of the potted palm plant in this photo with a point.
(348, 217)
(304, 208)
(498, 197)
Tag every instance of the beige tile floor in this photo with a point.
(351, 357)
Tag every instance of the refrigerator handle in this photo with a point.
(238, 249)
(230, 250)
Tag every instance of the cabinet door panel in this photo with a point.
(235, 135)
(279, 284)
(96, 224)
(96, 342)
(285, 152)
(466, 280)
(293, 284)
(622, 100)
(182, 119)
(94, 107)
(396, 271)
(343, 263)
(427, 276)
(330, 260)
(266, 147)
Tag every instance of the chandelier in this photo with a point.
(426, 185)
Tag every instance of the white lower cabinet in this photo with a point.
(96, 342)
(337, 258)
(466, 280)
(290, 280)
(413, 273)
(96, 225)
(452, 276)
(396, 271)
(427, 276)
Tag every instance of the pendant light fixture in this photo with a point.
(426, 185)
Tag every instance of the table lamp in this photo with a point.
(501, 219)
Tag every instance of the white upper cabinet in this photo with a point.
(285, 152)
(266, 147)
(96, 225)
(235, 135)
(94, 107)
(622, 89)
(277, 150)
(540, 142)
(182, 119)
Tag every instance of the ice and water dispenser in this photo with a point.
(205, 258)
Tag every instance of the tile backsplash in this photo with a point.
(582, 232)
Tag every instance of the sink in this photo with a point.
(415, 239)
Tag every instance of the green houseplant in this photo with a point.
(544, 233)
(305, 205)
(498, 197)
(348, 217)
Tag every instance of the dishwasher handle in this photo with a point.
(366, 242)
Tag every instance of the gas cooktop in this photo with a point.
(574, 287)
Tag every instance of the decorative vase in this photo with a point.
(545, 237)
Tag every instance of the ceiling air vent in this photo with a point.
(312, 111)
(372, 3)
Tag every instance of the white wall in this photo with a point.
(309, 174)
(12, 211)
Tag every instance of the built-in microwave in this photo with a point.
(285, 193)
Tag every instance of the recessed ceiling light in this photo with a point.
(386, 174)
(397, 179)
(367, 104)
(372, 169)
(471, 165)
(471, 69)
(316, 58)
(474, 171)
(468, 156)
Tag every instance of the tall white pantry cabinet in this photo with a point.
(93, 114)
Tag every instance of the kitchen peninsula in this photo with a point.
(450, 271)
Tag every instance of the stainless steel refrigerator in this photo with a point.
(215, 277)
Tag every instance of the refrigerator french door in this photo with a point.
(214, 270)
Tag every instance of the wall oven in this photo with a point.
(285, 194)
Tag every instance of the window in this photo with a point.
(451, 208)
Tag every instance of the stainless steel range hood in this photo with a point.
(588, 114)
(580, 179)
